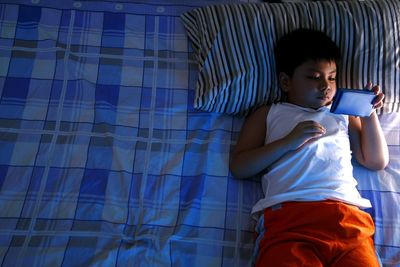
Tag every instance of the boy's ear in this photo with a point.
(284, 81)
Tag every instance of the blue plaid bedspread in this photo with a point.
(104, 161)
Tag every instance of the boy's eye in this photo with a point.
(315, 77)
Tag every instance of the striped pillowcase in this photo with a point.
(234, 46)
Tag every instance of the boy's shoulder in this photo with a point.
(261, 111)
(257, 117)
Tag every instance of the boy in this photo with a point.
(310, 215)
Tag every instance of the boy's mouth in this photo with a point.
(324, 97)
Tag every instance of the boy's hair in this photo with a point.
(302, 45)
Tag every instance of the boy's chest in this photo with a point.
(282, 123)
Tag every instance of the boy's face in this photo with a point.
(312, 85)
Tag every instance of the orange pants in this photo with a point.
(323, 233)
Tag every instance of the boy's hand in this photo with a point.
(378, 102)
(304, 132)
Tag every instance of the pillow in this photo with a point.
(234, 47)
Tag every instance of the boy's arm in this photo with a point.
(251, 156)
(367, 140)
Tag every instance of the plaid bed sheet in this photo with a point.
(383, 189)
(104, 162)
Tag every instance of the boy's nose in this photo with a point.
(324, 85)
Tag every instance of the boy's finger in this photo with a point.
(368, 86)
(378, 98)
(378, 101)
(376, 89)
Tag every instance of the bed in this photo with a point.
(109, 155)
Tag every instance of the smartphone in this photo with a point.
(356, 102)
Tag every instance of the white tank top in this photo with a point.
(319, 170)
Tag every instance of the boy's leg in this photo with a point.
(289, 254)
(359, 227)
(362, 255)
(313, 232)
(287, 239)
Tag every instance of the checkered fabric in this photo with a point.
(103, 160)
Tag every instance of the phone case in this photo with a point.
(354, 102)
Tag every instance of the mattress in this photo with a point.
(105, 162)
